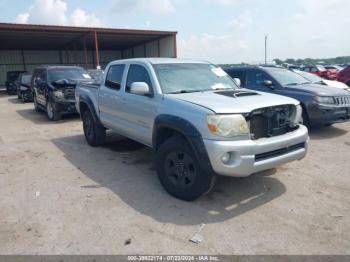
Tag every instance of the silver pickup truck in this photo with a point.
(196, 118)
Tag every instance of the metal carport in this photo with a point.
(24, 46)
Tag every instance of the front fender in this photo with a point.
(189, 131)
(86, 100)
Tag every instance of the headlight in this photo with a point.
(227, 125)
(324, 99)
(58, 94)
(298, 115)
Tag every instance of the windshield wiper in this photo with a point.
(295, 84)
(184, 91)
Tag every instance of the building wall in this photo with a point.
(16, 60)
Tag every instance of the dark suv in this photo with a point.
(23, 87)
(322, 105)
(54, 89)
(11, 78)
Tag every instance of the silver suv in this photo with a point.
(196, 118)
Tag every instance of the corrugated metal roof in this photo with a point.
(36, 37)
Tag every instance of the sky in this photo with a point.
(220, 31)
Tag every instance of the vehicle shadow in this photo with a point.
(127, 169)
(14, 100)
(325, 132)
(40, 118)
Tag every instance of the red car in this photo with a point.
(321, 71)
(344, 76)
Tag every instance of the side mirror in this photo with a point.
(238, 81)
(268, 83)
(140, 88)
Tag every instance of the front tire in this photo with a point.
(179, 171)
(95, 133)
(51, 112)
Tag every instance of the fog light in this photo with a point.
(225, 158)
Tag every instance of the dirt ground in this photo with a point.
(60, 196)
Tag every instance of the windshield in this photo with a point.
(56, 74)
(183, 78)
(286, 77)
(311, 77)
(26, 79)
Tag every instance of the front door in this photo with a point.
(139, 111)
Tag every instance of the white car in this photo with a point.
(318, 80)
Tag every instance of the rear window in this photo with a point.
(13, 76)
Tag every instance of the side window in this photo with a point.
(138, 73)
(257, 77)
(242, 76)
(314, 69)
(114, 76)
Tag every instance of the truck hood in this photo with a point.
(224, 102)
(317, 89)
(335, 84)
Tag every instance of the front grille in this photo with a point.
(278, 152)
(69, 93)
(271, 121)
(342, 100)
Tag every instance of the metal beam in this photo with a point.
(97, 52)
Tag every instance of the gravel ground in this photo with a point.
(60, 196)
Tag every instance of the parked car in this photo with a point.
(322, 105)
(334, 67)
(11, 78)
(318, 80)
(344, 76)
(196, 119)
(23, 87)
(321, 71)
(96, 75)
(53, 89)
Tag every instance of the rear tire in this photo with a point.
(95, 133)
(348, 83)
(179, 171)
(51, 112)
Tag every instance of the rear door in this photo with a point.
(109, 97)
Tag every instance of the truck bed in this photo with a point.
(87, 90)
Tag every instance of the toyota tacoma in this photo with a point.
(197, 120)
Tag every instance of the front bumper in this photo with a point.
(251, 156)
(26, 94)
(329, 114)
(65, 106)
